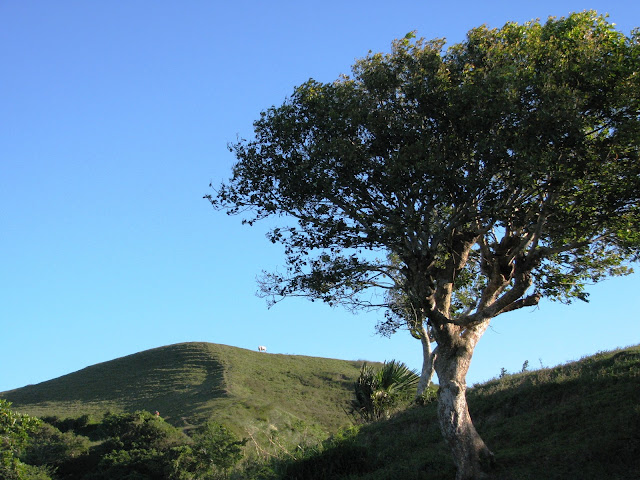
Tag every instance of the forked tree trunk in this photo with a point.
(428, 366)
(471, 456)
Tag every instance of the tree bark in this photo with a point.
(428, 366)
(472, 457)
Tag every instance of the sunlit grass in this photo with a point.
(578, 420)
(250, 392)
(575, 421)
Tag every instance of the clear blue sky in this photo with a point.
(114, 118)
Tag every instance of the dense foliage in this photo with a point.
(519, 139)
(15, 431)
(500, 171)
(137, 445)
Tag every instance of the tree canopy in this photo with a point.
(467, 182)
(522, 139)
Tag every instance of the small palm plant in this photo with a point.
(378, 392)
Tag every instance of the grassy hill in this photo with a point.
(189, 383)
(580, 420)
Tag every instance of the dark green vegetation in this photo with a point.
(188, 383)
(137, 445)
(379, 390)
(575, 421)
(16, 431)
(465, 182)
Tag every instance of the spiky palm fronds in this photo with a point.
(377, 392)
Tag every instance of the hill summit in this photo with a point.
(188, 383)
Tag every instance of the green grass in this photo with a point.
(576, 421)
(250, 392)
(580, 420)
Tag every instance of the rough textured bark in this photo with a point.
(428, 362)
(472, 457)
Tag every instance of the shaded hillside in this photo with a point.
(191, 382)
(580, 420)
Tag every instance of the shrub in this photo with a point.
(139, 464)
(49, 446)
(15, 431)
(378, 392)
(215, 447)
(136, 445)
(140, 430)
(331, 463)
(142, 446)
(429, 395)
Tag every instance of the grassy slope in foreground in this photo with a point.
(580, 420)
(190, 382)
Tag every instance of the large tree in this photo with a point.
(466, 183)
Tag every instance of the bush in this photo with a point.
(429, 395)
(142, 446)
(135, 445)
(139, 464)
(130, 446)
(49, 446)
(215, 447)
(15, 431)
(140, 430)
(84, 425)
(378, 392)
(22, 471)
(331, 463)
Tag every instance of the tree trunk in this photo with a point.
(428, 366)
(471, 456)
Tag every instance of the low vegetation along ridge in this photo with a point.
(579, 420)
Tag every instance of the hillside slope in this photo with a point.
(189, 383)
(580, 420)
